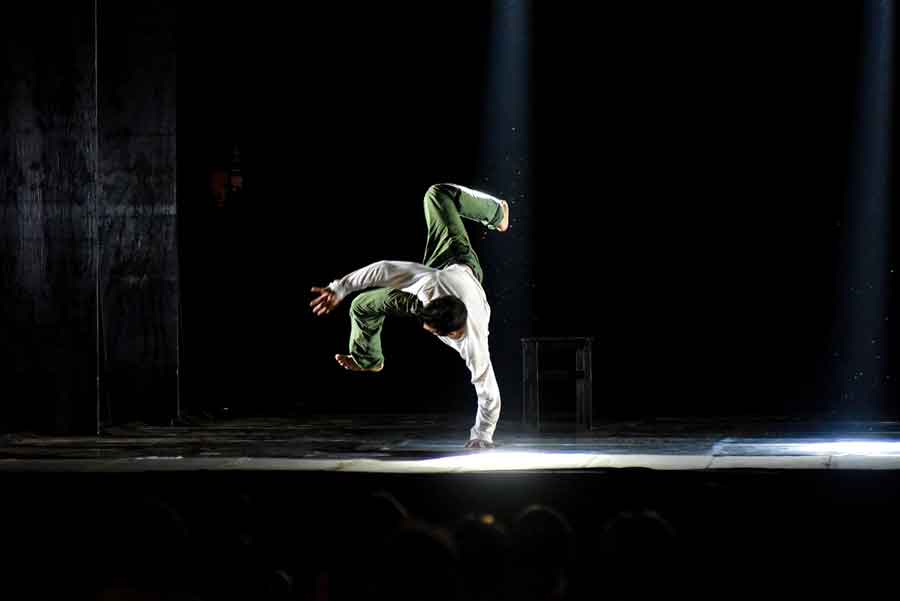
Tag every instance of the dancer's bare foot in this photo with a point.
(504, 225)
(349, 363)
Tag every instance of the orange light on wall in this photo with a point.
(227, 184)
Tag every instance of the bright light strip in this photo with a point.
(866, 448)
(511, 460)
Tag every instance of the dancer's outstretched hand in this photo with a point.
(325, 302)
(479, 444)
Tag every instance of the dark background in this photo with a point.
(685, 203)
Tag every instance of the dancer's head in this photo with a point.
(445, 316)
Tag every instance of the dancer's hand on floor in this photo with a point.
(325, 302)
(479, 444)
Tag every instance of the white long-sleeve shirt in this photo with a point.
(427, 284)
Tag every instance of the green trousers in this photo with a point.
(447, 243)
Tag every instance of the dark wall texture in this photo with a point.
(139, 256)
(48, 200)
(87, 165)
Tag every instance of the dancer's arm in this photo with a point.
(383, 274)
(478, 360)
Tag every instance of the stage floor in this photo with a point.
(434, 444)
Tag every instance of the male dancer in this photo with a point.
(444, 294)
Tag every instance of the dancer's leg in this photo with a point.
(448, 242)
(367, 313)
